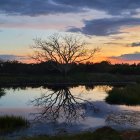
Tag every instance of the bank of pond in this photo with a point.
(75, 78)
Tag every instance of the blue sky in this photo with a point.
(113, 25)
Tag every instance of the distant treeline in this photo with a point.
(15, 67)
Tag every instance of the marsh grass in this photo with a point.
(12, 123)
(129, 95)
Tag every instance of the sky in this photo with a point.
(111, 25)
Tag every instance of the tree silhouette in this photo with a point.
(61, 104)
(62, 51)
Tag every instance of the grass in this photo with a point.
(104, 133)
(12, 123)
(9, 80)
(129, 95)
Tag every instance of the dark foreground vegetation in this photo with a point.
(15, 67)
(79, 79)
(12, 123)
(129, 95)
(15, 73)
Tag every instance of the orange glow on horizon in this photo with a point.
(121, 61)
(94, 60)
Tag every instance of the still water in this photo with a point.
(54, 110)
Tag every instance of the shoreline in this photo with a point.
(70, 80)
(61, 84)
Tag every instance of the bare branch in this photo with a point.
(63, 50)
(60, 103)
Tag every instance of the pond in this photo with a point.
(61, 109)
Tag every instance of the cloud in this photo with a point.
(39, 7)
(7, 57)
(34, 7)
(99, 27)
(128, 57)
(135, 44)
(113, 7)
(106, 26)
(115, 43)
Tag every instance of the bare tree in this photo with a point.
(62, 51)
(59, 103)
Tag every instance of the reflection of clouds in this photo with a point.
(116, 116)
(104, 88)
(124, 119)
(98, 93)
(94, 112)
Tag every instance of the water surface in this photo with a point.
(53, 110)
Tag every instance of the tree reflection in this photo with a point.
(89, 87)
(2, 92)
(59, 104)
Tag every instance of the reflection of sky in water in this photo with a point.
(96, 94)
(20, 97)
(17, 102)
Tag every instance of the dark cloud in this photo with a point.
(117, 37)
(113, 7)
(34, 7)
(106, 26)
(135, 44)
(37, 7)
(113, 43)
(7, 57)
(99, 27)
(129, 57)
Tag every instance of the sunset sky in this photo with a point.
(112, 25)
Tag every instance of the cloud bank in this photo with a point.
(129, 57)
(37, 7)
(106, 26)
(113, 7)
(135, 44)
(34, 7)
(122, 12)
(7, 57)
